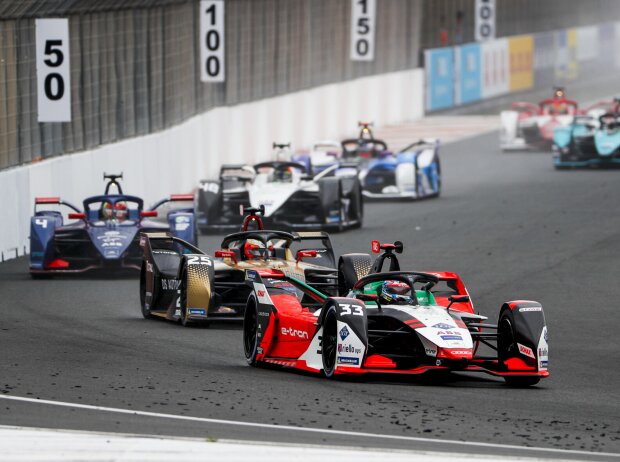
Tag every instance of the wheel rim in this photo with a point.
(250, 333)
(329, 343)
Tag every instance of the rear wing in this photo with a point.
(165, 240)
(53, 201)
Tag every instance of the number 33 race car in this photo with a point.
(390, 322)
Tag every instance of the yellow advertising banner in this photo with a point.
(521, 52)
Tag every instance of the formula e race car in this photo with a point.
(392, 322)
(292, 197)
(531, 126)
(104, 235)
(591, 140)
(179, 282)
(411, 173)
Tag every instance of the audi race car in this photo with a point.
(529, 125)
(411, 173)
(104, 235)
(293, 198)
(179, 282)
(591, 140)
(392, 322)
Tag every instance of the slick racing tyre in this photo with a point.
(329, 342)
(146, 312)
(507, 348)
(183, 299)
(250, 331)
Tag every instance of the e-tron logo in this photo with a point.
(294, 332)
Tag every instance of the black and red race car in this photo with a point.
(393, 322)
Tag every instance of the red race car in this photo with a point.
(396, 322)
(528, 125)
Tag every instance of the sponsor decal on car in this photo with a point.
(444, 326)
(294, 332)
(430, 351)
(348, 360)
(344, 333)
(346, 348)
(525, 351)
(264, 313)
(451, 337)
(170, 284)
(530, 308)
(262, 294)
(200, 311)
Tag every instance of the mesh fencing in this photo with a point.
(135, 63)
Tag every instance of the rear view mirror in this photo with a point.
(77, 216)
(148, 213)
(458, 299)
(301, 254)
(226, 254)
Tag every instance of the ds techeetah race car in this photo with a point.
(392, 322)
(179, 282)
(103, 235)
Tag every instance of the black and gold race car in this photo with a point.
(180, 282)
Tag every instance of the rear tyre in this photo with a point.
(507, 348)
(329, 342)
(250, 331)
(146, 312)
(185, 321)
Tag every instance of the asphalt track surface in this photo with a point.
(509, 224)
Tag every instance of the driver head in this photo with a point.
(395, 293)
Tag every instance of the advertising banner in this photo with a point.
(544, 59)
(469, 73)
(566, 55)
(495, 68)
(439, 64)
(587, 43)
(521, 51)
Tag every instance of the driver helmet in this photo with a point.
(107, 211)
(395, 293)
(253, 248)
(120, 211)
(283, 174)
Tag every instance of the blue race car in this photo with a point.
(411, 173)
(591, 140)
(105, 234)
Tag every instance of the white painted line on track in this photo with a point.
(43, 444)
(308, 429)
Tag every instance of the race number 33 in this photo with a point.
(53, 70)
(212, 41)
(363, 13)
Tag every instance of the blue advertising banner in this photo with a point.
(439, 78)
(469, 71)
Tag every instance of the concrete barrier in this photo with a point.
(174, 160)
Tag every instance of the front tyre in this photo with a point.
(250, 331)
(329, 342)
(146, 312)
(507, 348)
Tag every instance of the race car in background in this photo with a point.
(292, 196)
(104, 234)
(179, 282)
(390, 323)
(591, 140)
(411, 173)
(531, 126)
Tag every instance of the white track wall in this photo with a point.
(174, 160)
